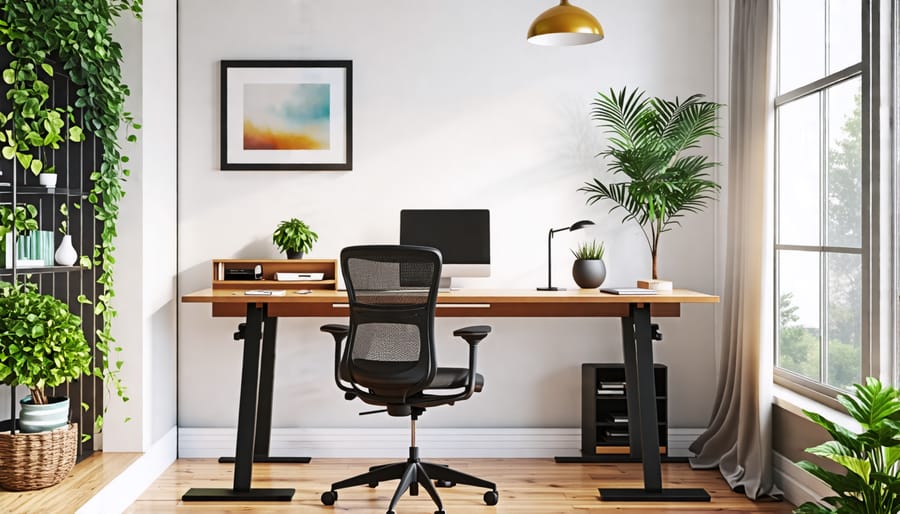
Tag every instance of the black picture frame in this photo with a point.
(246, 83)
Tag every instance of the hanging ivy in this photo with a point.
(74, 37)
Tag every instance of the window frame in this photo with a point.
(868, 71)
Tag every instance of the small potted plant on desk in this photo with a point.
(42, 345)
(294, 237)
(588, 270)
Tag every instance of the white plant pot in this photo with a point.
(48, 179)
(66, 255)
(43, 418)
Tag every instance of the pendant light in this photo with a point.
(565, 25)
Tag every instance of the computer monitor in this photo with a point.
(462, 235)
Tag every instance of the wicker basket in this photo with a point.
(35, 461)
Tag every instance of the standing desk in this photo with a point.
(261, 315)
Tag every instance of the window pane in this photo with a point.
(844, 319)
(798, 313)
(801, 37)
(798, 172)
(844, 226)
(844, 33)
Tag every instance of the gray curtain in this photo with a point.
(739, 438)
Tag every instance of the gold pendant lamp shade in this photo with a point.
(565, 25)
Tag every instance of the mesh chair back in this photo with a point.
(393, 292)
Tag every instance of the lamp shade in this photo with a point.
(581, 224)
(565, 25)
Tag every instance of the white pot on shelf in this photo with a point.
(48, 179)
(66, 255)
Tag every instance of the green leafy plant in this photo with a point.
(76, 36)
(41, 341)
(34, 128)
(872, 458)
(22, 219)
(294, 237)
(589, 251)
(648, 141)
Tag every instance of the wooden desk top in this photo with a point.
(461, 296)
(462, 302)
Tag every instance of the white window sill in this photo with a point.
(796, 403)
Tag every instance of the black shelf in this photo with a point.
(6, 272)
(6, 192)
(597, 411)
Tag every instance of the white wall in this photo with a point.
(452, 108)
(145, 274)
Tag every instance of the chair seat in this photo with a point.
(444, 378)
(452, 378)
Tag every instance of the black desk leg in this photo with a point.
(264, 408)
(641, 393)
(247, 412)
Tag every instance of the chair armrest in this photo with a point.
(473, 335)
(335, 329)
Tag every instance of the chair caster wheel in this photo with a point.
(329, 497)
(444, 483)
(439, 512)
(491, 497)
(373, 485)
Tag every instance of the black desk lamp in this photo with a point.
(575, 226)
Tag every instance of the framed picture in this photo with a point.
(287, 115)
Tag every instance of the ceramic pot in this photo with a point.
(43, 418)
(588, 273)
(293, 255)
(47, 179)
(66, 255)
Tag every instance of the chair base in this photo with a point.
(413, 473)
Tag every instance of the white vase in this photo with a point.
(66, 255)
(47, 179)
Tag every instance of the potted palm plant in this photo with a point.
(588, 270)
(294, 237)
(650, 144)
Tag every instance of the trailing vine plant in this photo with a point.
(74, 37)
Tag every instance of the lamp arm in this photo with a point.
(549, 240)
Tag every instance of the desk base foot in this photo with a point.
(643, 495)
(590, 459)
(271, 460)
(204, 494)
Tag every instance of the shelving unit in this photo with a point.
(604, 411)
(328, 268)
(74, 165)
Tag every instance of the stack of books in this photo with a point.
(614, 387)
(33, 250)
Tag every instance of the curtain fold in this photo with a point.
(739, 438)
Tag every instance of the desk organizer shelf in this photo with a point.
(604, 411)
(327, 267)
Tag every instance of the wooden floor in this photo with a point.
(88, 477)
(526, 486)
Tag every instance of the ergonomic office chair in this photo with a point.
(389, 358)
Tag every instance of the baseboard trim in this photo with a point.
(123, 490)
(799, 486)
(387, 442)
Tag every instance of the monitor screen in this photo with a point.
(462, 235)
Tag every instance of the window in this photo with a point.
(823, 241)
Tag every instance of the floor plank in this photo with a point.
(88, 477)
(527, 486)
